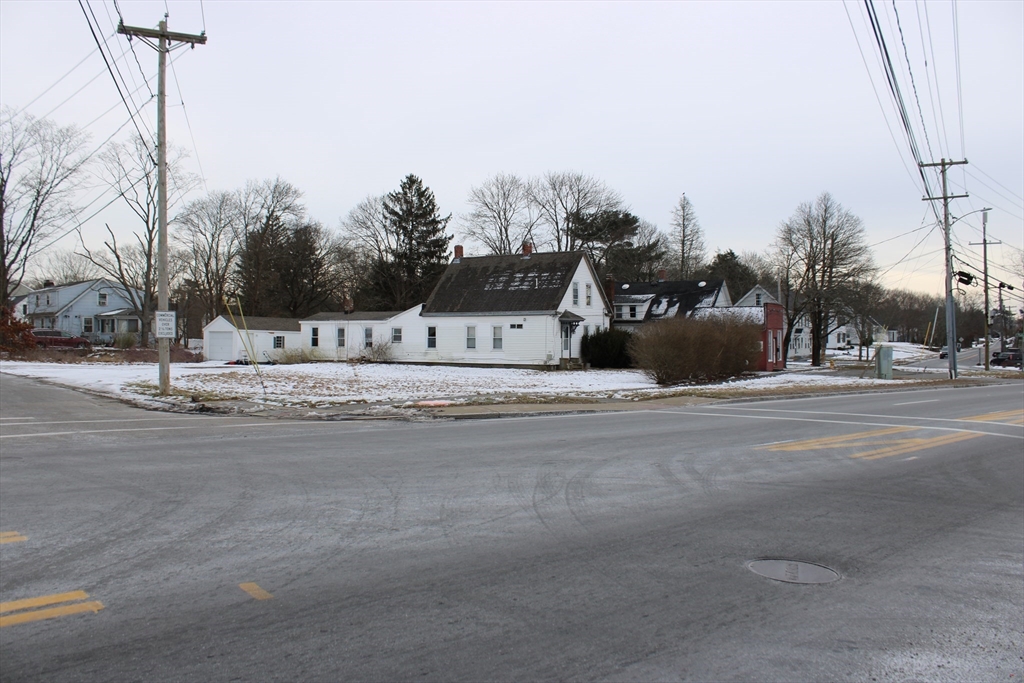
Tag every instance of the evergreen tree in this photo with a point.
(421, 245)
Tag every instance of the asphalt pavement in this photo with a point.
(616, 545)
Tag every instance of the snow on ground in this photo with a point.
(333, 383)
(323, 384)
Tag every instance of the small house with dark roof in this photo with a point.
(256, 338)
(525, 310)
(350, 335)
(637, 303)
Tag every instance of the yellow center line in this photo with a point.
(1015, 416)
(912, 445)
(39, 614)
(255, 591)
(11, 537)
(836, 441)
(16, 605)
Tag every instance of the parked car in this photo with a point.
(1010, 358)
(59, 338)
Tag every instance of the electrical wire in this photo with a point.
(105, 61)
(913, 85)
(58, 81)
(115, 62)
(980, 170)
(177, 85)
(874, 88)
(959, 92)
(938, 92)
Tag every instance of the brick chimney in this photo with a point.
(609, 288)
(527, 248)
(458, 253)
(662, 274)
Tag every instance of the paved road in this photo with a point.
(611, 546)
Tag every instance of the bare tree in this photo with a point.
(828, 256)
(63, 267)
(130, 169)
(40, 166)
(687, 239)
(502, 216)
(209, 231)
(560, 197)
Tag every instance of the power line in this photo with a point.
(116, 67)
(913, 85)
(177, 85)
(58, 81)
(938, 92)
(116, 84)
(999, 183)
(959, 93)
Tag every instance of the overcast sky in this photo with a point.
(750, 108)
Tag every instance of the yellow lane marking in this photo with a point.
(837, 441)
(16, 605)
(255, 591)
(39, 614)
(904, 446)
(1012, 416)
(11, 537)
(23, 612)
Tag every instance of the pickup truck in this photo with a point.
(59, 338)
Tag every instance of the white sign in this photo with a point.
(166, 324)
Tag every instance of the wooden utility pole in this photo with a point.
(165, 43)
(984, 256)
(951, 339)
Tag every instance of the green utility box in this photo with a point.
(883, 362)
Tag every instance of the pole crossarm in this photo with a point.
(158, 34)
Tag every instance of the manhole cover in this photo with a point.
(792, 571)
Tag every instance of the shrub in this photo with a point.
(14, 334)
(125, 340)
(293, 357)
(680, 349)
(380, 352)
(606, 349)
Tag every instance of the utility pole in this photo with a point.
(164, 44)
(984, 256)
(951, 340)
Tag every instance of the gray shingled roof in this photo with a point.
(266, 324)
(504, 284)
(354, 315)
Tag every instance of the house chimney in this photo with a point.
(527, 248)
(609, 288)
(48, 283)
(458, 253)
(662, 274)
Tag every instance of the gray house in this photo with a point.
(94, 309)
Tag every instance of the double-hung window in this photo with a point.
(341, 337)
(496, 337)
(575, 294)
(590, 295)
(471, 336)
(368, 337)
(431, 337)
(314, 337)
(87, 325)
(396, 335)
(101, 298)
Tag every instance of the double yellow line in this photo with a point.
(24, 611)
(11, 537)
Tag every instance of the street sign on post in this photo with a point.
(166, 325)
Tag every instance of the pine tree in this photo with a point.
(421, 251)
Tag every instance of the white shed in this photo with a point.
(268, 338)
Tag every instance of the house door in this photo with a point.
(565, 338)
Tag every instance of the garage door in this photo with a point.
(218, 346)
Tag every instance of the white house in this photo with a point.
(524, 310)
(757, 296)
(260, 339)
(361, 334)
(94, 309)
